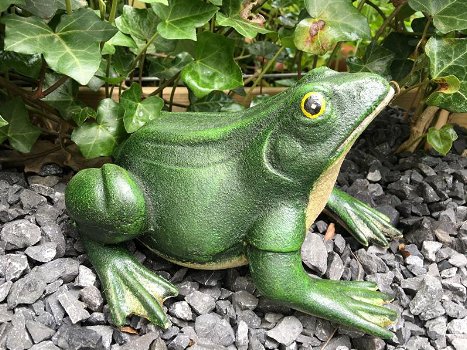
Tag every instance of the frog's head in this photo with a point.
(323, 116)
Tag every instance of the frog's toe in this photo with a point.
(130, 288)
(365, 223)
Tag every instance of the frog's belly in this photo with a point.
(200, 216)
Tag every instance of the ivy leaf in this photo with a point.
(377, 60)
(441, 140)
(27, 65)
(72, 49)
(20, 132)
(448, 15)
(231, 16)
(5, 4)
(118, 39)
(3, 122)
(46, 9)
(332, 21)
(80, 114)
(180, 19)
(138, 23)
(63, 97)
(164, 2)
(214, 67)
(216, 101)
(137, 112)
(100, 137)
(165, 68)
(448, 65)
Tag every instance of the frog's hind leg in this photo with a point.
(365, 223)
(277, 270)
(109, 208)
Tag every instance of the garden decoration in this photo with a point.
(219, 190)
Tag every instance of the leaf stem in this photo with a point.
(113, 11)
(164, 85)
(68, 7)
(387, 21)
(136, 60)
(263, 71)
(55, 86)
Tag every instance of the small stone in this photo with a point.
(215, 329)
(427, 192)
(374, 176)
(53, 233)
(5, 289)
(38, 331)
(419, 343)
(18, 337)
(73, 307)
(181, 310)
(43, 252)
(335, 267)
(187, 287)
(458, 260)
(242, 336)
(202, 303)
(45, 345)
(430, 292)
(225, 309)
(244, 300)
(46, 214)
(426, 170)
(92, 298)
(415, 265)
(340, 342)
(26, 290)
(314, 253)
(430, 248)
(85, 277)
(339, 243)
(436, 328)
(432, 311)
(368, 343)
(370, 262)
(250, 318)
(454, 310)
(180, 342)
(458, 326)
(12, 266)
(73, 337)
(286, 331)
(20, 234)
(65, 268)
(31, 200)
(105, 332)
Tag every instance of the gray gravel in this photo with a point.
(50, 297)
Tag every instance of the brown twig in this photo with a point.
(55, 86)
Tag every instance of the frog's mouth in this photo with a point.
(347, 144)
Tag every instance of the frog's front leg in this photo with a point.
(109, 208)
(276, 267)
(365, 223)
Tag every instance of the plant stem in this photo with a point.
(333, 53)
(136, 60)
(68, 7)
(172, 94)
(164, 85)
(377, 9)
(113, 11)
(263, 71)
(387, 21)
(360, 5)
(299, 64)
(55, 86)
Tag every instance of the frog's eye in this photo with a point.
(313, 105)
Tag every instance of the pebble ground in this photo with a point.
(51, 299)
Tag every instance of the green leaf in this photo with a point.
(214, 67)
(441, 140)
(164, 2)
(72, 49)
(233, 16)
(332, 21)
(216, 101)
(377, 60)
(138, 23)
(137, 112)
(80, 114)
(448, 60)
(3, 122)
(398, 43)
(266, 49)
(63, 97)
(118, 39)
(27, 65)
(448, 15)
(5, 4)
(166, 68)
(46, 9)
(100, 137)
(19, 131)
(180, 19)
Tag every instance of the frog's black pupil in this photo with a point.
(312, 105)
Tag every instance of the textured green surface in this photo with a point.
(219, 188)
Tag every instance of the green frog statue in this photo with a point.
(220, 190)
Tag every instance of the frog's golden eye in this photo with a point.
(313, 105)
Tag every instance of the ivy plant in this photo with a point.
(220, 50)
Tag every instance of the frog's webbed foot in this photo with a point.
(365, 223)
(130, 288)
(355, 304)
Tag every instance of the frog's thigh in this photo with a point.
(282, 229)
(107, 204)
